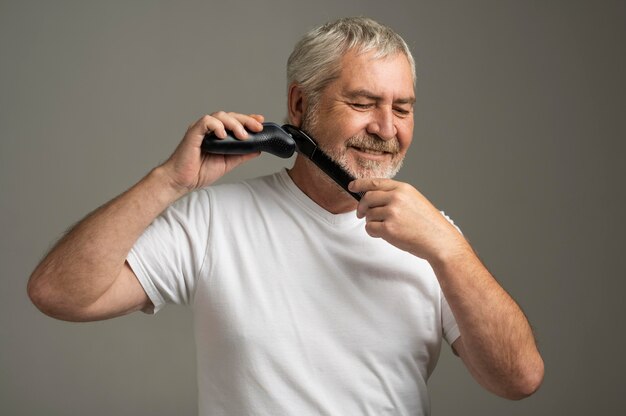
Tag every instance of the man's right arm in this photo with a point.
(85, 276)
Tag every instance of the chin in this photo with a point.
(360, 172)
(365, 168)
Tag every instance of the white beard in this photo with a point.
(365, 168)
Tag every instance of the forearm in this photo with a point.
(499, 346)
(87, 260)
(496, 342)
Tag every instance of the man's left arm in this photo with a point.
(497, 343)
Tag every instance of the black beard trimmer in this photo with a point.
(282, 142)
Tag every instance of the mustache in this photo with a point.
(373, 142)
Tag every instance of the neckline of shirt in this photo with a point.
(345, 219)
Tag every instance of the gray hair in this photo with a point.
(315, 60)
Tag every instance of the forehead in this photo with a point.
(388, 76)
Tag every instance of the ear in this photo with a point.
(296, 105)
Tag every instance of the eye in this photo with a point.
(402, 112)
(362, 106)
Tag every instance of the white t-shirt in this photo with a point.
(297, 311)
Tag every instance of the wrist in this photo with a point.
(451, 255)
(165, 187)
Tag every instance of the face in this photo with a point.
(364, 118)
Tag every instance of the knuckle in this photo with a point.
(396, 198)
(370, 229)
(405, 188)
(399, 190)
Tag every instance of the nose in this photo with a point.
(382, 123)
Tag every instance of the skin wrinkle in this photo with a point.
(371, 100)
(368, 168)
(362, 121)
(374, 97)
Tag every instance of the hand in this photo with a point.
(401, 215)
(189, 168)
(496, 343)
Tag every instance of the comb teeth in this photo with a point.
(308, 147)
(282, 142)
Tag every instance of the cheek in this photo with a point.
(329, 137)
(349, 126)
(405, 136)
(405, 143)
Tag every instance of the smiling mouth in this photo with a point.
(370, 151)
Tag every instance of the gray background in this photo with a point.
(519, 137)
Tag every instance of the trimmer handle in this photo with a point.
(272, 139)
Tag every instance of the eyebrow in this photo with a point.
(363, 93)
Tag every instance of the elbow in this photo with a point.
(528, 381)
(36, 290)
(57, 302)
(41, 294)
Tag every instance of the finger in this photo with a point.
(371, 200)
(258, 117)
(376, 214)
(249, 121)
(371, 184)
(253, 124)
(231, 122)
(206, 124)
(375, 228)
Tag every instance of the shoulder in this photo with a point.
(225, 197)
(260, 187)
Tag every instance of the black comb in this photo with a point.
(282, 142)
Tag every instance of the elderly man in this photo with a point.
(306, 302)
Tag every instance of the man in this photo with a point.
(306, 302)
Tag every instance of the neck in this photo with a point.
(320, 188)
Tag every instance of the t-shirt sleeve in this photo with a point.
(450, 327)
(171, 252)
